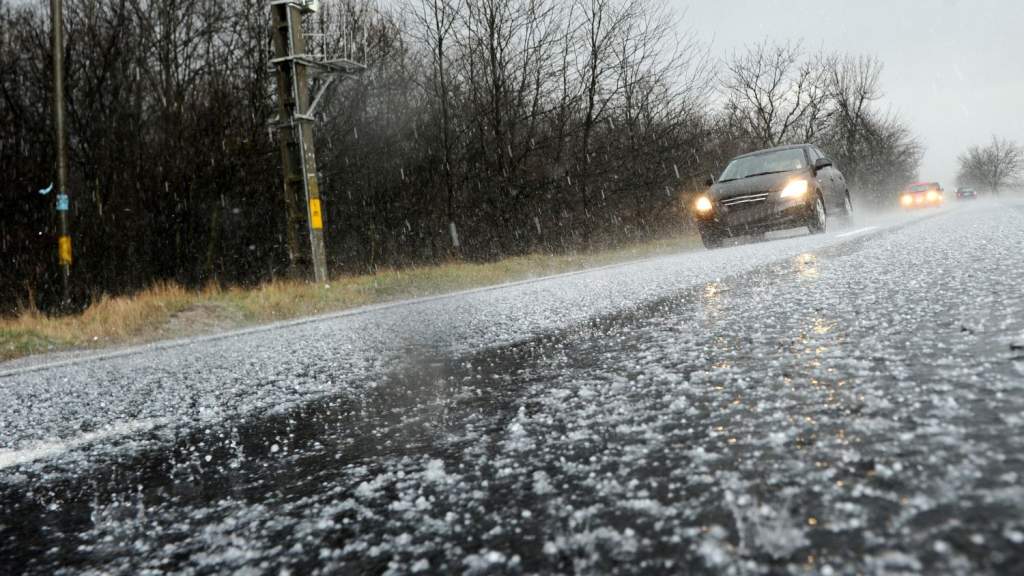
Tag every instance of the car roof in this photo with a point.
(776, 149)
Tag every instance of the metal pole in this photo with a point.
(64, 240)
(295, 129)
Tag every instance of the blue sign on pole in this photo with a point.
(62, 202)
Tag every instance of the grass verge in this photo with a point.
(169, 311)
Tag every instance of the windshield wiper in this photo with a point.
(766, 173)
(752, 175)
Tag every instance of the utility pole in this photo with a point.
(63, 201)
(295, 70)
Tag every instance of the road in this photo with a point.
(838, 404)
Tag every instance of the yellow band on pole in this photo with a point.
(316, 218)
(64, 249)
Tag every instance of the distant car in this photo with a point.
(922, 195)
(785, 187)
(966, 194)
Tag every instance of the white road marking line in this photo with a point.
(855, 232)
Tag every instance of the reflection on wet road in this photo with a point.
(848, 408)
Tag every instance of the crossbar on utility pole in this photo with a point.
(60, 140)
(295, 69)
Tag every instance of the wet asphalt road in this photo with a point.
(847, 403)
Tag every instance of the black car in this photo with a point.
(785, 187)
(966, 194)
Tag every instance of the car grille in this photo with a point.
(743, 210)
(744, 200)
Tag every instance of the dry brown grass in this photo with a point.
(108, 320)
(145, 316)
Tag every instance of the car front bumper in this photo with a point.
(755, 218)
(915, 201)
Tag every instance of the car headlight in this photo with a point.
(704, 205)
(795, 189)
(933, 196)
(906, 200)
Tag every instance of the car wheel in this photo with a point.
(817, 220)
(847, 216)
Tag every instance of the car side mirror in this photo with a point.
(709, 182)
(821, 163)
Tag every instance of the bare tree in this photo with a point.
(992, 167)
(435, 22)
(854, 132)
(601, 24)
(774, 91)
(662, 78)
(888, 159)
(853, 84)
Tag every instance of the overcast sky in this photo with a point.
(954, 69)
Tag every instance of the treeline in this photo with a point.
(481, 129)
(993, 167)
(173, 176)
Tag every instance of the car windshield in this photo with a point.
(766, 163)
(923, 187)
